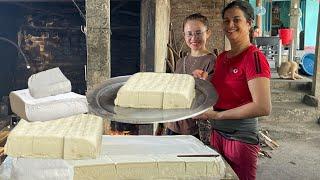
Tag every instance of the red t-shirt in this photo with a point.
(231, 76)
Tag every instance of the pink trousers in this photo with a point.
(242, 157)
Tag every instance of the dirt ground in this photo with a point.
(295, 159)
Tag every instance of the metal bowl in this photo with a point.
(101, 102)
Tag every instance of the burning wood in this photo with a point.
(108, 130)
(119, 133)
(1, 151)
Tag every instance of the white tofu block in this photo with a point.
(48, 108)
(179, 92)
(151, 96)
(75, 137)
(80, 142)
(132, 157)
(97, 169)
(127, 95)
(195, 167)
(170, 166)
(22, 146)
(204, 166)
(47, 145)
(48, 83)
(135, 166)
(215, 168)
(157, 90)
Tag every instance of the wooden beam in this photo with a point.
(162, 34)
(259, 18)
(316, 71)
(155, 20)
(148, 8)
(294, 24)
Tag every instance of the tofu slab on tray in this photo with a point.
(157, 90)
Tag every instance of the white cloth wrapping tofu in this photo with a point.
(75, 137)
(48, 108)
(48, 83)
(127, 157)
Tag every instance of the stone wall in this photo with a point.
(98, 41)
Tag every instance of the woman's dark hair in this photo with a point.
(197, 17)
(245, 7)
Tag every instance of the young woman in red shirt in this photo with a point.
(242, 80)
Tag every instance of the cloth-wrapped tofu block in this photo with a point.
(47, 108)
(48, 83)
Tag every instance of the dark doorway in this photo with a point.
(125, 37)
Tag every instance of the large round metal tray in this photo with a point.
(101, 103)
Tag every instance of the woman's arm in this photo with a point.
(260, 105)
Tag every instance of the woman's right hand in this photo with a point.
(199, 73)
(207, 115)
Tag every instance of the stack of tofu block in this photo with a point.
(48, 97)
(53, 123)
(54, 131)
(151, 157)
(131, 157)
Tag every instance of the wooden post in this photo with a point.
(162, 34)
(155, 20)
(259, 18)
(294, 23)
(316, 71)
(227, 45)
(147, 35)
(313, 99)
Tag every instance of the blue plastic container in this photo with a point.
(307, 64)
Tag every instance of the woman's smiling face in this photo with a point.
(196, 34)
(235, 24)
